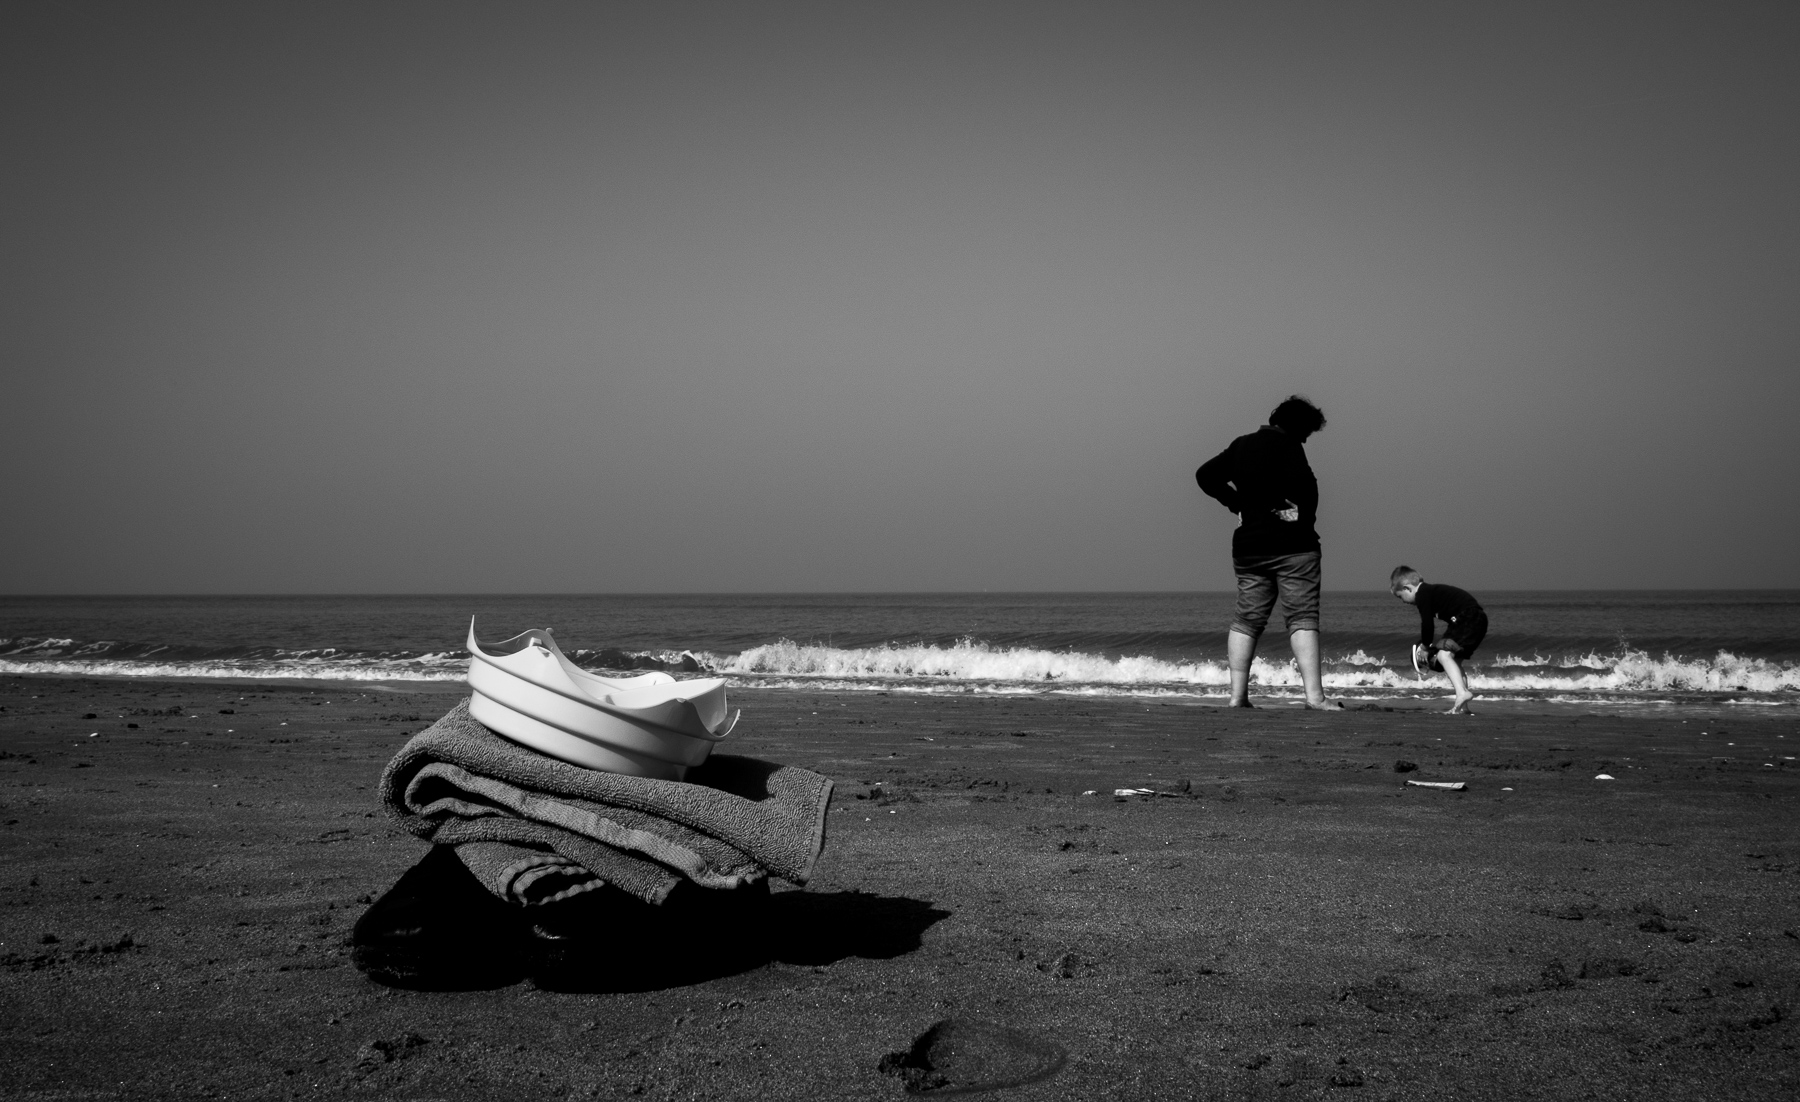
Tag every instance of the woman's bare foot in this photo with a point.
(1325, 706)
(1244, 703)
(1460, 705)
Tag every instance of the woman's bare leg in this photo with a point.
(1305, 644)
(1239, 650)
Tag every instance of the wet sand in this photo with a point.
(176, 901)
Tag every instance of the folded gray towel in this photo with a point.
(530, 863)
(526, 823)
(526, 874)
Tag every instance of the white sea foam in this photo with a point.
(242, 669)
(963, 661)
(1031, 669)
(1515, 660)
(969, 666)
(1635, 671)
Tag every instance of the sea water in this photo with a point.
(1654, 648)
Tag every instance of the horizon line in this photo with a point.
(813, 593)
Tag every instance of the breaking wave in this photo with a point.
(1033, 670)
(966, 660)
(965, 666)
(107, 658)
(1635, 671)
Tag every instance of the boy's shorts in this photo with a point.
(1462, 638)
(1296, 577)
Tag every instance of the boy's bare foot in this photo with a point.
(1325, 706)
(1460, 705)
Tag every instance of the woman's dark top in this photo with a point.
(1447, 603)
(1256, 477)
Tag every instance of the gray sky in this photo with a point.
(596, 297)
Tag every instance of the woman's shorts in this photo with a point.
(1294, 577)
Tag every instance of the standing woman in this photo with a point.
(1264, 478)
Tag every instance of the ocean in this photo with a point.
(1659, 649)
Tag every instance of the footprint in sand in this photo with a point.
(964, 1056)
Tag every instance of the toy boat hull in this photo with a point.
(526, 690)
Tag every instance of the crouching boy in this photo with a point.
(1465, 626)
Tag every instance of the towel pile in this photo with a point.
(534, 830)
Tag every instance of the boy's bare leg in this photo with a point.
(1460, 705)
(1305, 644)
(1239, 650)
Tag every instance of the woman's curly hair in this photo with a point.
(1298, 417)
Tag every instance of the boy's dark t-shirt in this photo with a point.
(1447, 603)
(1256, 477)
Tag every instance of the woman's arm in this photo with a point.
(1214, 477)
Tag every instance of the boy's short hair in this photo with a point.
(1297, 416)
(1404, 576)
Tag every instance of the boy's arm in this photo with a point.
(1423, 604)
(1214, 477)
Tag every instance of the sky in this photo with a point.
(665, 297)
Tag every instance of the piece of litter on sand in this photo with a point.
(1134, 791)
(1506, 790)
(1604, 777)
(1449, 786)
(1089, 792)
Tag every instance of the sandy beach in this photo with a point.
(183, 862)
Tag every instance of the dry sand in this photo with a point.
(178, 899)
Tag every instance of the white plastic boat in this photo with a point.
(647, 726)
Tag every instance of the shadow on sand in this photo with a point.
(706, 940)
(439, 929)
